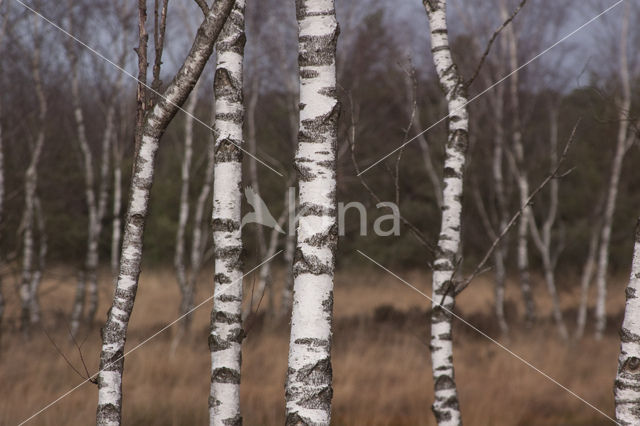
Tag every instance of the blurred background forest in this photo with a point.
(378, 49)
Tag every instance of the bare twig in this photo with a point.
(351, 139)
(79, 348)
(493, 38)
(555, 174)
(63, 355)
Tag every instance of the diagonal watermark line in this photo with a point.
(503, 347)
(70, 391)
(128, 74)
(506, 77)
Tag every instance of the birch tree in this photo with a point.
(543, 236)
(446, 405)
(96, 187)
(151, 128)
(624, 141)
(116, 221)
(587, 276)
(519, 172)
(31, 184)
(225, 339)
(308, 388)
(627, 383)
(185, 178)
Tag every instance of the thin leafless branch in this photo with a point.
(493, 38)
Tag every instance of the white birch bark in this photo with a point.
(308, 389)
(446, 407)
(225, 339)
(30, 187)
(624, 141)
(155, 123)
(627, 383)
(520, 174)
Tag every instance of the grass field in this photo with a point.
(381, 364)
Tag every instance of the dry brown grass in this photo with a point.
(381, 362)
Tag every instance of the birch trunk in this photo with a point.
(520, 174)
(183, 216)
(627, 383)
(542, 238)
(622, 146)
(225, 339)
(89, 195)
(585, 282)
(153, 126)
(198, 244)
(446, 407)
(500, 252)
(116, 223)
(36, 277)
(308, 389)
(30, 186)
(255, 183)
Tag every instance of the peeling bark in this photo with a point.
(446, 407)
(308, 389)
(627, 383)
(153, 126)
(225, 339)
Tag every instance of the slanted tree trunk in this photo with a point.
(627, 384)
(308, 389)
(446, 404)
(520, 174)
(624, 142)
(153, 126)
(225, 339)
(30, 187)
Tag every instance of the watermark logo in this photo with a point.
(387, 222)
